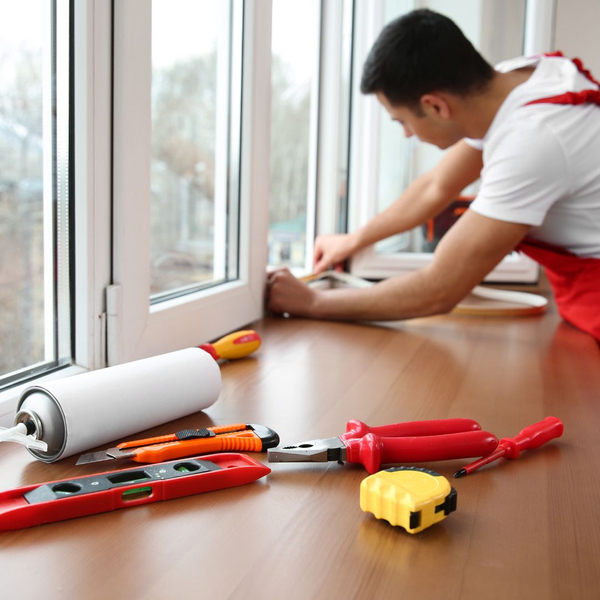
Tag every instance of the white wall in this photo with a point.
(577, 31)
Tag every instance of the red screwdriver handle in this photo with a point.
(357, 429)
(531, 437)
(372, 451)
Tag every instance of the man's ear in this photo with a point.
(436, 105)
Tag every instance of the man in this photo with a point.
(530, 129)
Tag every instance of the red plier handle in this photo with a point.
(357, 429)
(372, 450)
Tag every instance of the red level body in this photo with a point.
(81, 496)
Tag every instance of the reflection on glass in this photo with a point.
(23, 151)
(189, 126)
(496, 28)
(295, 47)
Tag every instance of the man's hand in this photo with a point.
(286, 294)
(332, 251)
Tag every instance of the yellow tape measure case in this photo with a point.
(411, 497)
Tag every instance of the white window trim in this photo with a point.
(365, 151)
(93, 169)
(335, 17)
(136, 329)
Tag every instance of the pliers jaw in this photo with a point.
(323, 450)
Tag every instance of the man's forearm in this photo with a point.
(403, 297)
(420, 201)
(425, 197)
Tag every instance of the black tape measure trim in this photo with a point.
(415, 520)
(428, 471)
(449, 504)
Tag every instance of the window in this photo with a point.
(190, 149)
(294, 108)
(310, 110)
(35, 184)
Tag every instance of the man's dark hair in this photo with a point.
(419, 53)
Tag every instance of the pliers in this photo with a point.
(241, 437)
(416, 441)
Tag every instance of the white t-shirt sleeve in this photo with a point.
(477, 144)
(526, 174)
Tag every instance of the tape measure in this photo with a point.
(411, 497)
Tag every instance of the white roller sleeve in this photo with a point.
(112, 403)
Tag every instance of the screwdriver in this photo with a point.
(235, 345)
(531, 437)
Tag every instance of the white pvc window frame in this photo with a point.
(136, 328)
(366, 115)
(333, 130)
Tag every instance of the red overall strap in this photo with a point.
(590, 96)
(574, 280)
(583, 97)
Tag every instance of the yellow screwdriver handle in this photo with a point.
(235, 345)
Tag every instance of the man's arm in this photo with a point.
(424, 198)
(465, 255)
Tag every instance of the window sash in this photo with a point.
(135, 327)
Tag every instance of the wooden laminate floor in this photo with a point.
(523, 529)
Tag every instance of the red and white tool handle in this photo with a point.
(357, 429)
(372, 451)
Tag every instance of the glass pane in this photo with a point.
(294, 86)
(496, 28)
(33, 151)
(190, 128)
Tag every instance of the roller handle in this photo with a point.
(235, 345)
(531, 437)
(357, 429)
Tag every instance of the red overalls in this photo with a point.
(575, 280)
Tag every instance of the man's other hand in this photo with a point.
(332, 250)
(287, 294)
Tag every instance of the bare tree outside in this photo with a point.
(183, 173)
(21, 207)
(290, 120)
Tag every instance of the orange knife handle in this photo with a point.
(162, 439)
(228, 428)
(162, 452)
(246, 441)
(172, 437)
(235, 345)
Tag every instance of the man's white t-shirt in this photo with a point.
(542, 162)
